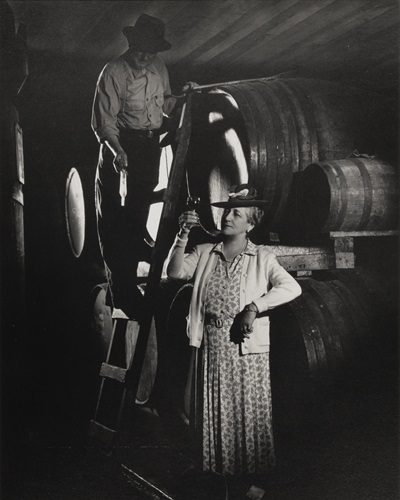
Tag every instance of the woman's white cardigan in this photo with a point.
(263, 281)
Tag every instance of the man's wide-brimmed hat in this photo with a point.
(241, 196)
(147, 34)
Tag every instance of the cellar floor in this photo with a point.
(351, 453)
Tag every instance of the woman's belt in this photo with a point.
(218, 322)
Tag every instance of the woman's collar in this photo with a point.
(251, 248)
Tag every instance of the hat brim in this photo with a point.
(144, 43)
(240, 203)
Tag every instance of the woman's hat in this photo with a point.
(241, 196)
(147, 34)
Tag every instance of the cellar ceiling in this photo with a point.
(220, 40)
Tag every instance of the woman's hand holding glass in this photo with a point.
(187, 220)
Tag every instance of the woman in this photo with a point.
(235, 284)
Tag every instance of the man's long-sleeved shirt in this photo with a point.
(126, 98)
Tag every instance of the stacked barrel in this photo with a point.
(351, 194)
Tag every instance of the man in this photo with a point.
(132, 96)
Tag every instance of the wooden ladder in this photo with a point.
(113, 386)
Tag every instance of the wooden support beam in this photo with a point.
(356, 234)
(303, 274)
(344, 252)
(304, 258)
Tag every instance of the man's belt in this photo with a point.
(145, 134)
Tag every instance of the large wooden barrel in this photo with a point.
(375, 289)
(264, 131)
(377, 293)
(323, 342)
(331, 323)
(349, 195)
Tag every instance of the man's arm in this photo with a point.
(106, 106)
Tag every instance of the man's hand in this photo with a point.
(189, 86)
(120, 161)
(120, 157)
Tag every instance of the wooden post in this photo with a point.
(344, 252)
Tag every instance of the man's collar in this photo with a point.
(137, 73)
(251, 248)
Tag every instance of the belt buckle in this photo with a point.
(219, 323)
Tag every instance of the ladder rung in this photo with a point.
(114, 372)
(101, 432)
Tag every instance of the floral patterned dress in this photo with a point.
(237, 412)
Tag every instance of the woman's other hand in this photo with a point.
(242, 325)
(246, 322)
(187, 220)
